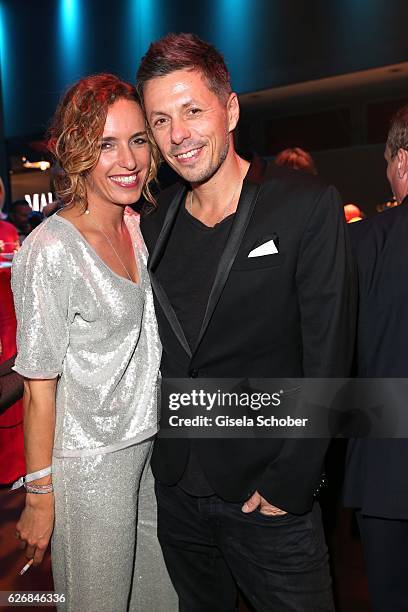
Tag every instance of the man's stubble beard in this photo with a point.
(205, 174)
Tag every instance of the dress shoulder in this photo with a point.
(49, 239)
(42, 283)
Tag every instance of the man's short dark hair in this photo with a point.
(184, 52)
(16, 203)
(398, 134)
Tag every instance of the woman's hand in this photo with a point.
(35, 526)
(36, 522)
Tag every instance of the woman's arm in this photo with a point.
(37, 519)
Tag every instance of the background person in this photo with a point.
(296, 158)
(19, 215)
(376, 481)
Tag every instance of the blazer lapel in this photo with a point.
(156, 254)
(247, 201)
(154, 259)
(246, 205)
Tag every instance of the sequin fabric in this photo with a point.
(97, 501)
(96, 331)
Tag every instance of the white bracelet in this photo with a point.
(30, 477)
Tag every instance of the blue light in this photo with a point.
(234, 35)
(69, 14)
(4, 65)
(143, 25)
(70, 47)
(3, 45)
(148, 10)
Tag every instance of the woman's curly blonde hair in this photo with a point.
(77, 128)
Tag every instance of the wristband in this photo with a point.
(30, 477)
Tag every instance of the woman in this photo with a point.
(89, 350)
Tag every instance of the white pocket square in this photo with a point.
(267, 248)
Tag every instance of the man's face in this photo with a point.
(397, 173)
(191, 125)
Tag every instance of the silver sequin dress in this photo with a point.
(79, 320)
(97, 332)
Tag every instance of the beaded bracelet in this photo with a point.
(39, 489)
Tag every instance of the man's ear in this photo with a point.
(402, 157)
(233, 111)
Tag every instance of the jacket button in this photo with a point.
(193, 373)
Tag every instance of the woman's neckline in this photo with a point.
(90, 247)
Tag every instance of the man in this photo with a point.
(376, 481)
(19, 215)
(239, 511)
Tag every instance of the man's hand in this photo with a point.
(256, 500)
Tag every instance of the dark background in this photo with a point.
(323, 75)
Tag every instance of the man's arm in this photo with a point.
(327, 291)
(327, 294)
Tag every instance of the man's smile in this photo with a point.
(190, 155)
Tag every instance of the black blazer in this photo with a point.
(376, 479)
(285, 315)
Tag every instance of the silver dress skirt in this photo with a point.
(105, 552)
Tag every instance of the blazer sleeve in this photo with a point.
(327, 292)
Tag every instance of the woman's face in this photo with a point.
(124, 160)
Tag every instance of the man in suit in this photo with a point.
(239, 511)
(376, 481)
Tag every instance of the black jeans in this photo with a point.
(385, 544)
(209, 545)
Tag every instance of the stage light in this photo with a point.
(235, 39)
(142, 27)
(70, 44)
(4, 57)
(70, 14)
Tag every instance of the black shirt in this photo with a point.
(188, 268)
(187, 272)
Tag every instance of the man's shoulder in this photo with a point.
(381, 238)
(152, 218)
(377, 228)
(292, 182)
(297, 194)
(166, 196)
(393, 217)
(163, 202)
(153, 213)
